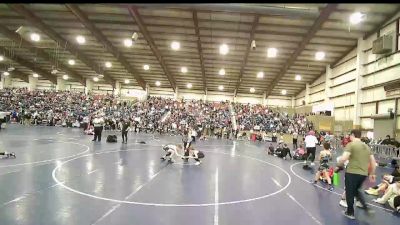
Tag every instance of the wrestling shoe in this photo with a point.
(162, 158)
(343, 203)
(372, 191)
(350, 216)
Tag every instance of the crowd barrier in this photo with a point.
(385, 151)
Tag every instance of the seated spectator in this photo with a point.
(299, 154)
(392, 191)
(271, 149)
(387, 179)
(284, 152)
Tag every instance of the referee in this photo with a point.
(360, 158)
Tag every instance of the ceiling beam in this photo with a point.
(30, 66)
(385, 21)
(15, 37)
(262, 9)
(200, 50)
(246, 56)
(135, 14)
(103, 40)
(324, 16)
(72, 48)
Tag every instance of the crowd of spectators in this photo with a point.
(51, 107)
(262, 118)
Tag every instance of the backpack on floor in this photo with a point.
(112, 138)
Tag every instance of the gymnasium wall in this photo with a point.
(373, 72)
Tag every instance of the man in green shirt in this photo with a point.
(361, 164)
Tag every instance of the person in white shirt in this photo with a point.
(311, 143)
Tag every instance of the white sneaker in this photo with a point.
(197, 163)
(343, 203)
(312, 164)
(379, 200)
(358, 204)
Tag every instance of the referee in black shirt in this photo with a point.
(125, 128)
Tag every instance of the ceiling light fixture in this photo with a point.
(35, 75)
(108, 64)
(95, 79)
(146, 67)
(71, 62)
(184, 70)
(81, 39)
(175, 45)
(158, 83)
(356, 18)
(35, 37)
(189, 85)
(220, 87)
(319, 55)
(1, 58)
(260, 74)
(297, 77)
(223, 49)
(283, 92)
(65, 77)
(128, 42)
(10, 69)
(126, 81)
(221, 72)
(100, 75)
(272, 52)
(252, 90)
(6, 73)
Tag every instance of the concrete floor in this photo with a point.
(61, 177)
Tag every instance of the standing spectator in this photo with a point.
(295, 136)
(311, 142)
(125, 128)
(346, 140)
(98, 127)
(360, 159)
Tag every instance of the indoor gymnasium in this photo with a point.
(204, 114)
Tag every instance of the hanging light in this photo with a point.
(272, 52)
(35, 37)
(252, 90)
(6, 73)
(71, 62)
(146, 67)
(81, 39)
(319, 55)
(1, 58)
(221, 72)
(220, 87)
(189, 85)
(260, 74)
(95, 79)
(158, 83)
(223, 49)
(184, 70)
(35, 75)
(65, 77)
(126, 81)
(108, 64)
